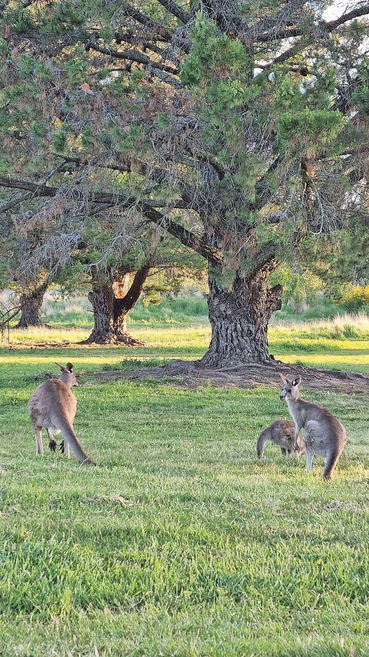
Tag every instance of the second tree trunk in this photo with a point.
(112, 297)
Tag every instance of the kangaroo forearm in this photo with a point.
(297, 432)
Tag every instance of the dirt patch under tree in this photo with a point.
(193, 375)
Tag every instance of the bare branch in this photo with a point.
(349, 16)
(272, 34)
(14, 202)
(314, 34)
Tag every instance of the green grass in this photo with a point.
(180, 543)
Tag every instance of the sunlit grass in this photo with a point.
(346, 325)
(340, 344)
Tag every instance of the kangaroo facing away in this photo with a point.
(324, 435)
(53, 406)
(282, 433)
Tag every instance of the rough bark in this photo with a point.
(31, 308)
(239, 318)
(112, 300)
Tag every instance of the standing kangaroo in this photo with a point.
(53, 406)
(323, 433)
(282, 433)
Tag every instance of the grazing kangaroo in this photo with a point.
(323, 433)
(282, 433)
(53, 406)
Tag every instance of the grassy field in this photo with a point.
(77, 311)
(180, 543)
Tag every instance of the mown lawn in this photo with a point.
(180, 543)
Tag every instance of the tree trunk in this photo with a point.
(102, 301)
(111, 301)
(31, 308)
(239, 318)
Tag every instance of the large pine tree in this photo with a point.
(238, 127)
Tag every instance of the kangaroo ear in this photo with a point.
(69, 367)
(284, 380)
(60, 366)
(297, 381)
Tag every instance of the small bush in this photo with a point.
(357, 298)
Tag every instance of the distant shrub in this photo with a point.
(356, 298)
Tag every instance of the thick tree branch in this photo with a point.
(198, 244)
(155, 173)
(265, 255)
(126, 304)
(133, 56)
(124, 167)
(160, 32)
(92, 197)
(175, 10)
(133, 39)
(147, 208)
(349, 16)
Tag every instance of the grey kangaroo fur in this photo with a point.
(53, 406)
(282, 433)
(323, 433)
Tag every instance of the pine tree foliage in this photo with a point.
(239, 128)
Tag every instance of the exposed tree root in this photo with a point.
(192, 374)
(114, 338)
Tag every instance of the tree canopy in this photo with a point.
(239, 128)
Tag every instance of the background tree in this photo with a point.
(29, 282)
(116, 267)
(239, 128)
(115, 290)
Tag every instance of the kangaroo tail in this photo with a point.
(75, 445)
(264, 436)
(331, 463)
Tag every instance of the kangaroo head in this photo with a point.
(67, 375)
(290, 389)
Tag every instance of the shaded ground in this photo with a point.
(190, 374)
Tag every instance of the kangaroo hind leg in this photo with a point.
(38, 436)
(52, 441)
(309, 461)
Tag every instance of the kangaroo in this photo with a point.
(323, 433)
(282, 433)
(53, 406)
